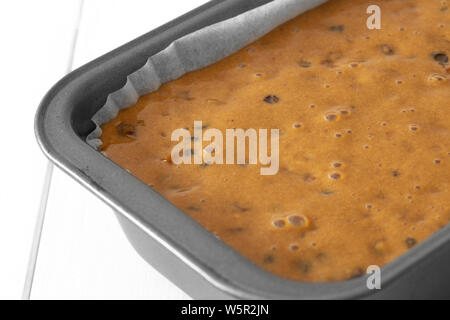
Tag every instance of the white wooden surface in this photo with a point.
(35, 46)
(83, 253)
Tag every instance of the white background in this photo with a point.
(83, 253)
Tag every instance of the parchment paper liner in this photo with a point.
(195, 51)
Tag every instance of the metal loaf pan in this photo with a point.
(175, 244)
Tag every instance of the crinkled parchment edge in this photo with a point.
(195, 51)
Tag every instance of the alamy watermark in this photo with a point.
(374, 280)
(233, 150)
(374, 20)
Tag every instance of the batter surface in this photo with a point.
(364, 119)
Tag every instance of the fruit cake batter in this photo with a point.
(364, 146)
